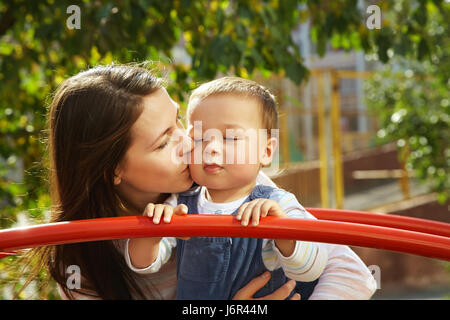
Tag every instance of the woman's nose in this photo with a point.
(186, 144)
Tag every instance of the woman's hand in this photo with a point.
(247, 292)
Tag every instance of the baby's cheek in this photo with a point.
(238, 153)
(195, 170)
(243, 174)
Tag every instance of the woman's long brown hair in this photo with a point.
(90, 118)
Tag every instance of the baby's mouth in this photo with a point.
(212, 168)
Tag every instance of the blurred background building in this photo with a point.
(337, 163)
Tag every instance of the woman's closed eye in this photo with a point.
(178, 124)
(164, 144)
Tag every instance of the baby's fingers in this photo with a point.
(180, 209)
(241, 210)
(266, 207)
(168, 212)
(158, 212)
(247, 213)
(148, 211)
(256, 212)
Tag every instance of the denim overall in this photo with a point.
(217, 267)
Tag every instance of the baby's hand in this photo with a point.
(258, 208)
(156, 211)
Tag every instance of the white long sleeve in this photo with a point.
(165, 248)
(164, 253)
(345, 276)
(308, 260)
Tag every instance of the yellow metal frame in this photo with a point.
(324, 197)
(336, 136)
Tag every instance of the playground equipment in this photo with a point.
(389, 232)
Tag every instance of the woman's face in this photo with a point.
(149, 167)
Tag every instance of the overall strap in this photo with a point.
(258, 192)
(190, 199)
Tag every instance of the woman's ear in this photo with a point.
(269, 151)
(117, 175)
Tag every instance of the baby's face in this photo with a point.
(228, 141)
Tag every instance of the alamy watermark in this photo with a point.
(74, 279)
(376, 274)
(374, 19)
(74, 20)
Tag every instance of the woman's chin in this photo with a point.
(183, 185)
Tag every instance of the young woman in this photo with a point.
(111, 150)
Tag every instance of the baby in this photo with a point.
(231, 122)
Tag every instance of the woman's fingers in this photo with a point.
(282, 292)
(247, 292)
(296, 296)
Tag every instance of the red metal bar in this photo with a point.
(383, 220)
(406, 241)
(7, 254)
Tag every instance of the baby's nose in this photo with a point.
(214, 146)
(213, 151)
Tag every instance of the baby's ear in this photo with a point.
(269, 151)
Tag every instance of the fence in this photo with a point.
(321, 122)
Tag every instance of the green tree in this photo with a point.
(38, 51)
(410, 98)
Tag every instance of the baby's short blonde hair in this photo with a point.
(238, 87)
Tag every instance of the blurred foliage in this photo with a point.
(38, 51)
(411, 100)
